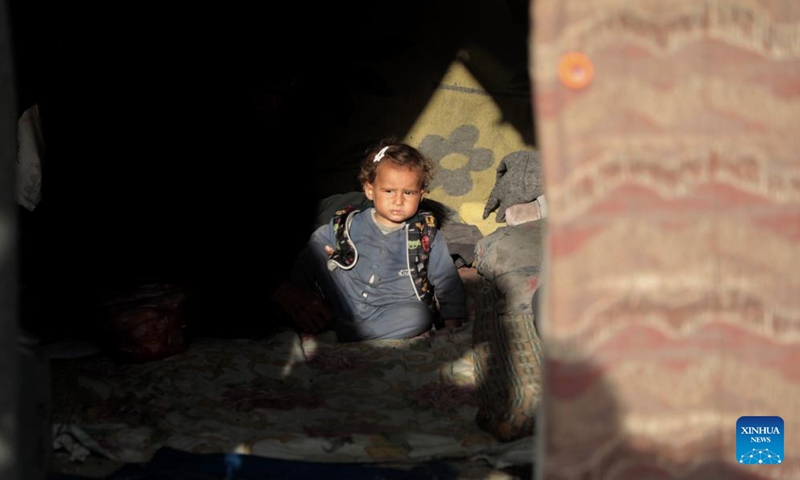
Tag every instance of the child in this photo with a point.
(382, 270)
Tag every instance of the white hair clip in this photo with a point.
(380, 154)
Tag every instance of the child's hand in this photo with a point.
(452, 322)
(306, 309)
(312, 315)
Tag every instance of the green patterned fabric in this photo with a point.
(507, 349)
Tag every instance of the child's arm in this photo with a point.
(447, 285)
(299, 297)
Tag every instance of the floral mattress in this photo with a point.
(289, 397)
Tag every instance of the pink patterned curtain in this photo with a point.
(671, 146)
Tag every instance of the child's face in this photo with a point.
(396, 193)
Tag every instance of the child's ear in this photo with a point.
(368, 191)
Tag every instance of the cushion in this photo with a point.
(508, 353)
(511, 257)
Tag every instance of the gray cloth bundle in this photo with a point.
(519, 180)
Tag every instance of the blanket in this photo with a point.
(290, 397)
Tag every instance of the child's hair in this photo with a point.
(404, 155)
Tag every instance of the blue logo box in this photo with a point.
(759, 440)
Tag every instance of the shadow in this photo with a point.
(9, 380)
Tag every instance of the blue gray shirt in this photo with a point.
(380, 277)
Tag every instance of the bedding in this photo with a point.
(508, 353)
(291, 396)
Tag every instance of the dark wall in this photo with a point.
(172, 152)
(179, 141)
(9, 386)
(152, 154)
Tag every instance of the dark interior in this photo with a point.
(191, 145)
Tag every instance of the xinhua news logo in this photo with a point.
(759, 440)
